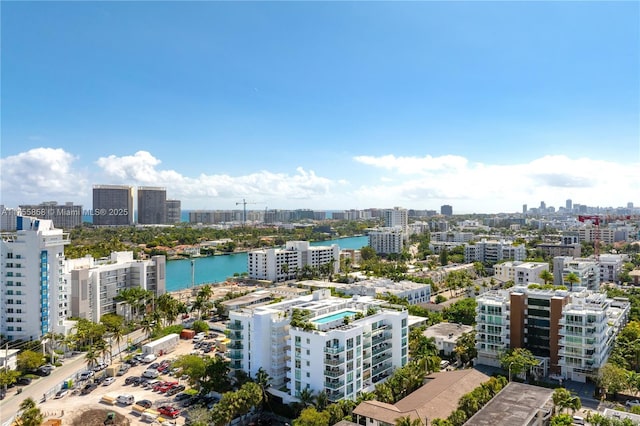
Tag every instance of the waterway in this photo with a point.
(213, 269)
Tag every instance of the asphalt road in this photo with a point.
(49, 384)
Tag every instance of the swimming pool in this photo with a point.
(333, 317)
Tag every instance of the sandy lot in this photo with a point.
(70, 407)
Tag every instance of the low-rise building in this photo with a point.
(520, 272)
(446, 335)
(438, 398)
(517, 404)
(9, 359)
(415, 293)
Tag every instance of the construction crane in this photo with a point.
(244, 209)
(596, 221)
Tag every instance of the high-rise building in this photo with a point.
(446, 210)
(112, 205)
(492, 252)
(569, 205)
(320, 343)
(278, 264)
(174, 211)
(525, 209)
(543, 207)
(386, 240)
(396, 217)
(570, 333)
(33, 295)
(8, 218)
(152, 205)
(66, 216)
(94, 284)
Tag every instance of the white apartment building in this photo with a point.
(452, 237)
(344, 346)
(396, 217)
(386, 240)
(33, 295)
(521, 273)
(610, 267)
(94, 284)
(415, 293)
(587, 270)
(283, 264)
(590, 233)
(589, 326)
(493, 251)
(572, 333)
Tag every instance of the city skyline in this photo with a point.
(325, 106)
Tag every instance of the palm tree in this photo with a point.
(31, 415)
(264, 381)
(408, 421)
(572, 278)
(322, 400)
(147, 328)
(563, 398)
(546, 276)
(91, 357)
(306, 397)
(118, 335)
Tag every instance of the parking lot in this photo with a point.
(74, 402)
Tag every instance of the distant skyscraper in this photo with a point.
(446, 210)
(396, 217)
(174, 212)
(543, 207)
(152, 205)
(112, 205)
(630, 205)
(65, 216)
(524, 209)
(569, 204)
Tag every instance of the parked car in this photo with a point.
(632, 403)
(23, 381)
(144, 403)
(182, 396)
(155, 365)
(108, 381)
(99, 367)
(125, 399)
(62, 393)
(43, 371)
(129, 380)
(169, 411)
(86, 375)
(90, 387)
(123, 369)
(150, 374)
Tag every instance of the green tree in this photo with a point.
(200, 326)
(367, 253)
(8, 377)
(564, 399)
(562, 420)
(463, 311)
(192, 365)
(465, 348)
(546, 276)
(29, 360)
(572, 279)
(312, 417)
(518, 361)
(612, 379)
(408, 421)
(30, 414)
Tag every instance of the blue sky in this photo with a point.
(324, 105)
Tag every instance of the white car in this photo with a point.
(108, 381)
(62, 393)
(632, 403)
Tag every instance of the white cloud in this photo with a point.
(41, 174)
(491, 188)
(142, 169)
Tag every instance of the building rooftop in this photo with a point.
(447, 331)
(515, 405)
(438, 398)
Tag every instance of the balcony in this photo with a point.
(235, 355)
(235, 325)
(236, 345)
(334, 384)
(334, 372)
(337, 361)
(334, 350)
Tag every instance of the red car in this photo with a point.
(169, 411)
